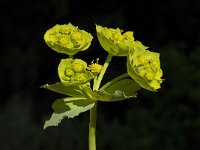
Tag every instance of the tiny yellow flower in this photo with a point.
(67, 39)
(95, 67)
(144, 67)
(114, 41)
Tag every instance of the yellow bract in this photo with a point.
(67, 39)
(73, 71)
(144, 67)
(114, 41)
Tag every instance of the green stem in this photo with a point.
(114, 80)
(92, 128)
(108, 59)
(93, 111)
(95, 81)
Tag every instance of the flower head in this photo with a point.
(67, 39)
(73, 71)
(144, 67)
(114, 41)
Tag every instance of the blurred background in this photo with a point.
(167, 120)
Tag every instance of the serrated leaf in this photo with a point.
(65, 108)
(60, 105)
(59, 87)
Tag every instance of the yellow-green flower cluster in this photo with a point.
(67, 39)
(73, 71)
(114, 41)
(144, 67)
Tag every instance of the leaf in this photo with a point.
(96, 95)
(65, 108)
(128, 86)
(116, 96)
(112, 93)
(59, 87)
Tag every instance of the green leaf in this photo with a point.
(115, 92)
(68, 107)
(96, 95)
(128, 86)
(59, 87)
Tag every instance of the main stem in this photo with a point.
(93, 111)
(92, 128)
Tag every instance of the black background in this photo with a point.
(168, 119)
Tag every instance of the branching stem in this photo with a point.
(93, 111)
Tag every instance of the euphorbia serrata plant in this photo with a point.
(80, 82)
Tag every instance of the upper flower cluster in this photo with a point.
(114, 41)
(67, 39)
(142, 65)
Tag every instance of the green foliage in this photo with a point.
(114, 92)
(128, 86)
(68, 107)
(59, 87)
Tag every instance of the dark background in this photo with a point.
(167, 120)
